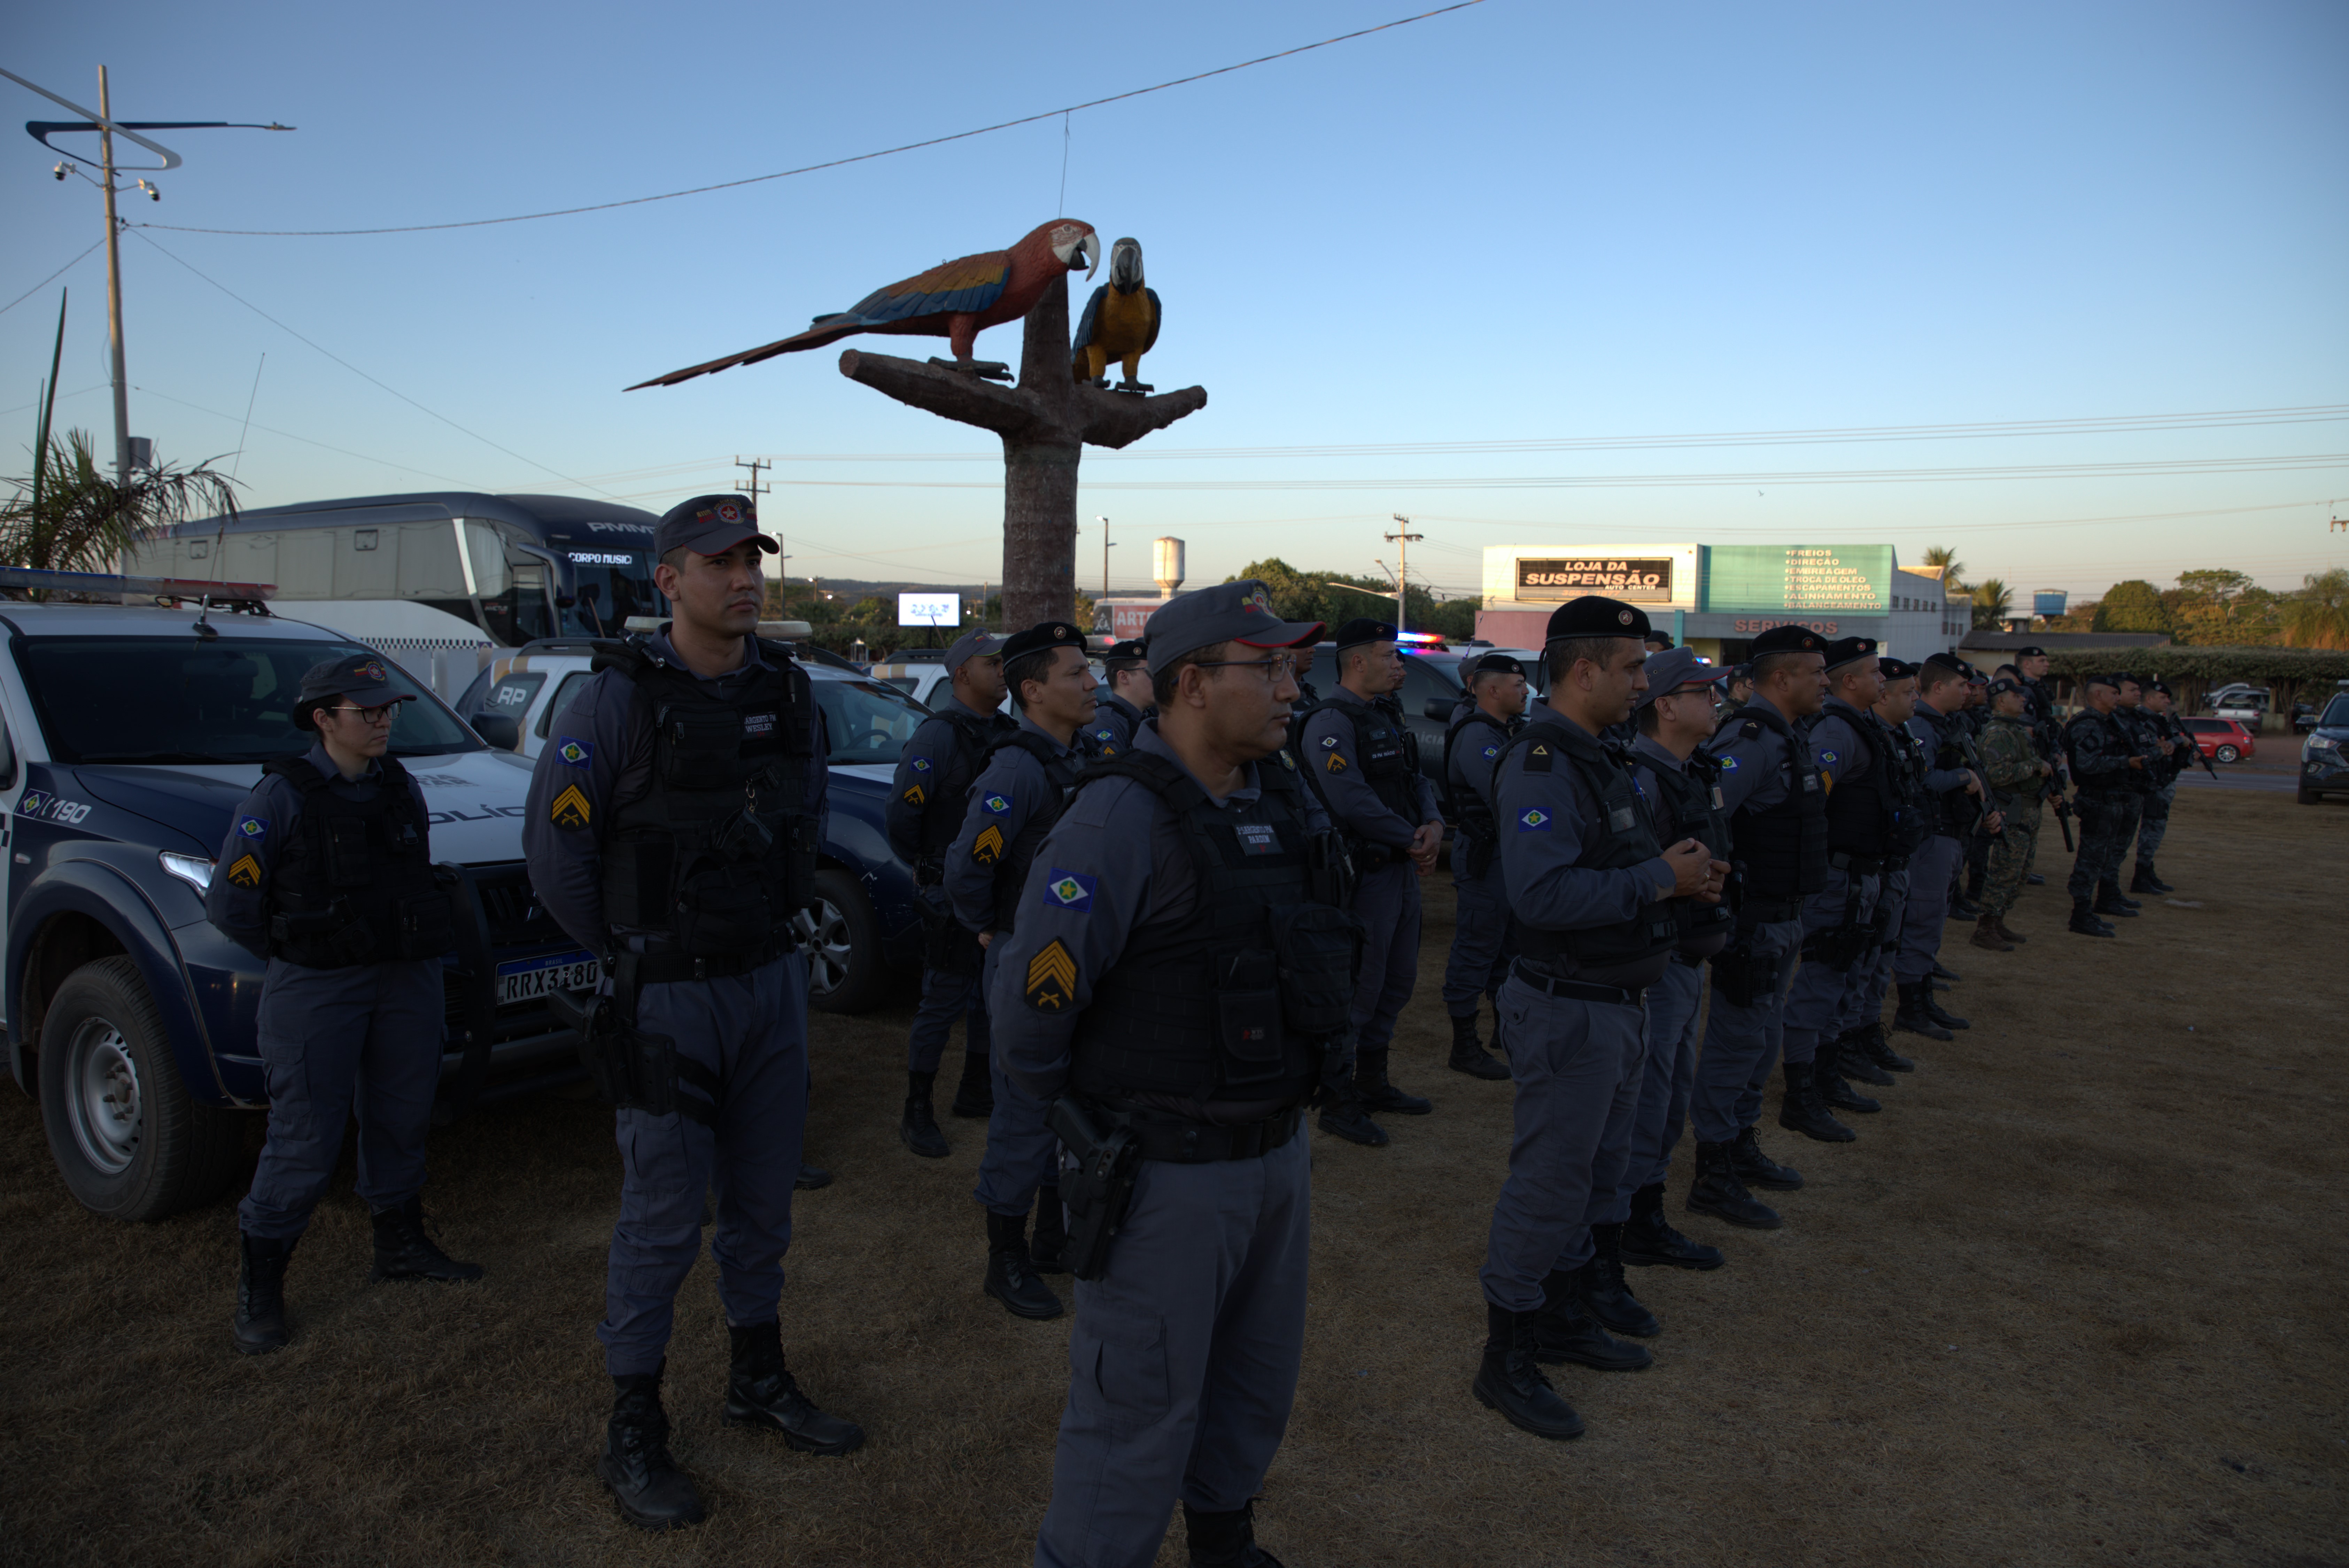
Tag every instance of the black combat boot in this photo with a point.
(811, 1178)
(1852, 1060)
(2110, 901)
(2084, 922)
(652, 1493)
(1507, 1380)
(1872, 1044)
(259, 1323)
(761, 1392)
(1912, 1014)
(1718, 1191)
(402, 1249)
(1225, 1540)
(1010, 1277)
(1940, 1015)
(1945, 978)
(1377, 1094)
(1603, 1292)
(917, 1129)
(1801, 1110)
(1963, 908)
(1342, 1115)
(1827, 1082)
(1468, 1055)
(1564, 1330)
(2146, 881)
(974, 1096)
(1757, 1169)
(1048, 1251)
(1649, 1241)
(2033, 878)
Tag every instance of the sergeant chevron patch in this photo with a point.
(245, 872)
(1051, 977)
(570, 809)
(916, 794)
(989, 847)
(1337, 763)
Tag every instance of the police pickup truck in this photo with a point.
(128, 735)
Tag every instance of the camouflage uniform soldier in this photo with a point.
(2016, 774)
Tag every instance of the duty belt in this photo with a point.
(1858, 865)
(672, 968)
(1770, 912)
(1575, 990)
(1181, 1142)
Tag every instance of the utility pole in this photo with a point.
(1403, 541)
(754, 489)
(1105, 522)
(114, 285)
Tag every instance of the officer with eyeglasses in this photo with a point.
(327, 873)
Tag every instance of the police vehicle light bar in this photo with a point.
(137, 587)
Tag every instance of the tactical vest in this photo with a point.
(1631, 953)
(1473, 816)
(1781, 850)
(1239, 998)
(1691, 798)
(1954, 811)
(1913, 820)
(354, 884)
(1863, 814)
(1060, 774)
(1384, 749)
(942, 805)
(2123, 747)
(720, 851)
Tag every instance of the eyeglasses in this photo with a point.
(369, 714)
(1275, 670)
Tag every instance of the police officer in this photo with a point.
(1737, 686)
(2105, 765)
(2156, 749)
(1776, 806)
(940, 762)
(2017, 777)
(1591, 889)
(1965, 904)
(1911, 826)
(1956, 812)
(1126, 670)
(2046, 738)
(1028, 777)
(328, 874)
(1364, 764)
(673, 823)
(2180, 754)
(1840, 929)
(1675, 717)
(1148, 984)
(1494, 706)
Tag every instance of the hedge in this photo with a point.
(2291, 675)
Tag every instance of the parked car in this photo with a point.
(128, 737)
(2304, 717)
(865, 921)
(2223, 740)
(2323, 766)
(919, 673)
(2246, 703)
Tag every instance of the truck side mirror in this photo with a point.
(501, 731)
(1438, 709)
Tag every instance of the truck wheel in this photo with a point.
(843, 941)
(127, 1138)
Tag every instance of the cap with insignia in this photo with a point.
(1595, 615)
(975, 643)
(2004, 685)
(709, 525)
(1362, 629)
(1673, 670)
(1040, 636)
(1786, 640)
(1238, 612)
(1848, 650)
(364, 679)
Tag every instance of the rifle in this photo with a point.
(2063, 821)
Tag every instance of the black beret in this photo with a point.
(1050, 634)
(1894, 669)
(2112, 681)
(1659, 636)
(1132, 648)
(2163, 689)
(1362, 629)
(1787, 640)
(2033, 651)
(1495, 664)
(2120, 676)
(1595, 616)
(2004, 685)
(1848, 650)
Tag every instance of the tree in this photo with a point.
(85, 520)
(1953, 571)
(2318, 616)
(2217, 607)
(2132, 606)
(1992, 599)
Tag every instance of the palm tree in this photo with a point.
(1952, 570)
(1992, 599)
(2318, 616)
(84, 520)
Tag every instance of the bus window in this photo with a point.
(609, 586)
(530, 612)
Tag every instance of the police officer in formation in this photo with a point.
(1124, 698)
(1492, 709)
(1593, 889)
(1030, 775)
(2106, 765)
(673, 822)
(2165, 758)
(1895, 704)
(1149, 987)
(1364, 764)
(1682, 785)
(1776, 805)
(940, 761)
(1965, 902)
(2017, 775)
(1955, 811)
(327, 875)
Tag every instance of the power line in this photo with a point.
(53, 277)
(322, 446)
(835, 162)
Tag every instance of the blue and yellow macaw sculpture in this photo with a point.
(1119, 322)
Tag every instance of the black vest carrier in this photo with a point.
(1913, 823)
(1477, 834)
(1388, 755)
(942, 805)
(353, 885)
(1864, 814)
(1781, 850)
(1632, 954)
(1692, 800)
(718, 853)
(1015, 857)
(1954, 811)
(1241, 997)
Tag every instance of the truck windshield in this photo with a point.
(866, 721)
(177, 700)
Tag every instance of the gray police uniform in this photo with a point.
(1825, 996)
(1363, 761)
(741, 1032)
(941, 759)
(1934, 865)
(1586, 879)
(1012, 807)
(347, 1024)
(1115, 721)
(1481, 948)
(1772, 794)
(1143, 932)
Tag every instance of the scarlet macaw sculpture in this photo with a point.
(1119, 322)
(955, 300)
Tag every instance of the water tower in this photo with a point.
(1166, 565)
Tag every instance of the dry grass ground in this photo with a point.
(2075, 1298)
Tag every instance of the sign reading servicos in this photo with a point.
(1636, 579)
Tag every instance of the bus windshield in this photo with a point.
(608, 586)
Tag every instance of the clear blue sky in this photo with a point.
(1523, 221)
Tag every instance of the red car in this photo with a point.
(2223, 739)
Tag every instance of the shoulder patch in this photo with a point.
(920, 764)
(1827, 758)
(915, 794)
(1533, 820)
(245, 873)
(1051, 977)
(1539, 757)
(989, 847)
(1729, 764)
(575, 753)
(1071, 890)
(1337, 763)
(1288, 762)
(997, 804)
(1491, 752)
(1749, 729)
(570, 809)
(1328, 742)
(251, 828)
